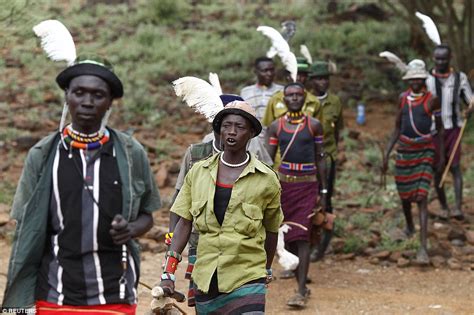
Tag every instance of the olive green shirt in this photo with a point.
(276, 108)
(236, 249)
(332, 122)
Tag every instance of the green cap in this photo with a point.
(319, 68)
(303, 64)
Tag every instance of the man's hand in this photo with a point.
(470, 109)
(168, 287)
(121, 230)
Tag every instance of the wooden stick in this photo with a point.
(451, 157)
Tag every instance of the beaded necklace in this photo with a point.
(78, 140)
(295, 117)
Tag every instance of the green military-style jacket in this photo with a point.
(332, 121)
(31, 206)
(235, 249)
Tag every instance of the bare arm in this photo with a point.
(174, 218)
(320, 160)
(435, 107)
(270, 247)
(271, 134)
(393, 139)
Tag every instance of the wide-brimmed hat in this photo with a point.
(91, 65)
(319, 68)
(416, 70)
(237, 108)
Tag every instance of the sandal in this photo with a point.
(299, 300)
(457, 214)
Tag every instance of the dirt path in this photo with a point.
(342, 287)
(357, 287)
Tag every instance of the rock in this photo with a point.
(468, 250)
(468, 258)
(374, 260)
(346, 256)
(4, 218)
(397, 235)
(454, 264)
(161, 177)
(382, 255)
(469, 237)
(157, 233)
(437, 261)
(456, 234)
(402, 262)
(457, 242)
(438, 226)
(174, 168)
(353, 134)
(151, 245)
(395, 256)
(369, 251)
(408, 253)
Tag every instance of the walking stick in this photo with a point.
(451, 157)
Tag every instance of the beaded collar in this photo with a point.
(82, 141)
(295, 117)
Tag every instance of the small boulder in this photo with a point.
(469, 237)
(403, 262)
(454, 264)
(438, 261)
(382, 255)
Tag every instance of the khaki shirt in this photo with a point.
(236, 249)
(332, 121)
(276, 108)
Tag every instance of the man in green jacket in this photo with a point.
(84, 194)
(332, 122)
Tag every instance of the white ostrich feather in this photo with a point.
(430, 28)
(56, 41)
(286, 259)
(282, 49)
(214, 80)
(199, 95)
(305, 52)
(395, 60)
(332, 67)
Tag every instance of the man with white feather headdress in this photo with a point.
(85, 192)
(452, 88)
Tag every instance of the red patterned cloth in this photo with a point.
(46, 308)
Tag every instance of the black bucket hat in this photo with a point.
(237, 108)
(91, 65)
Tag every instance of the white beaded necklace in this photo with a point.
(214, 146)
(235, 165)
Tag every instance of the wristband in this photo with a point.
(168, 276)
(174, 254)
(168, 238)
(324, 191)
(171, 265)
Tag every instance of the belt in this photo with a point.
(297, 179)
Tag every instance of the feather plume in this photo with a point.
(56, 41)
(282, 49)
(199, 95)
(395, 60)
(430, 28)
(286, 259)
(305, 52)
(332, 67)
(214, 80)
